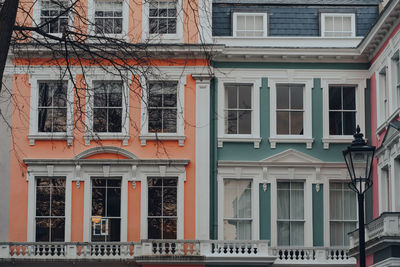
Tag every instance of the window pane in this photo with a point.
(169, 228)
(99, 202)
(283, 234)
(154, 228)
(349, 98)
(283, 203)
(347, 228)
(115, 95)
(115, 120)
(259, 20)
(113, 202)
(297, 204)
(57, 229)
(45, 119)
(350, 205)
(100, 94)
(282, 120)
(335, 123)
(155, 201)
(169, 202)
(296, 97)
(170, 96)
(60, 120)
(43, 230)
(114, 230)
(231, 97)
(244, 97)
(250, 23)
(244, 122)
(243, 230)
(296, 123)
(155, 120)
(346, 24)
(57, 201)
(231, 127)
(329, 23)
(241, 23)
(336, 205)
(153, 25)
(349, 123)
(43, 201)
(297, 233)
(99, 120)
(337, 234)
(335, 98)
(282, 97)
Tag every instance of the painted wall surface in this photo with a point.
(5, 147)
(60, 150)
(291, 20)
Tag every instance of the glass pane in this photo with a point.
(336, 234)
(60, 95)
(169, 228)
(99, 120)
(155, 120)
(155, 201)
(244, 122)
(100, 98)
(162, 26)
(349, 98)
(350, 204)
(42, 201)
(230, 203)
(42, 230)
(347, 24)
(329, 23)
(283, 234)
(170, 96)
(115, 120)
(244, 208)
(240, 23)
(231, 127)
(45, 119)
(259, 23)
(155, 95)
(296, 97)
(335, 123)
(231, 97)
(114, 230)
(297, 233)
(297, 204)
(154, 228)
(98, 182)
(335, 98)
(336, 204)
(113, 182)
(296, 123)
(155, 182)
(170, 181)
(347, 228)
(282, 96)
(282, 122)
(283, 204)
(115, 96)
(98, 202)
(349, 123)
(171, 26)
(57, 229)
(243, 230)
(230, 229)
(169, 117)
(249, 23)
(153, 25)
(113, 202)
(57, 201)
(245, 97)
(169, 201)
(60, 120)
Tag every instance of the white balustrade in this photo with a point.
(314, 255)
(238, 248)
(170, 248)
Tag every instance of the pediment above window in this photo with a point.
(105, 152)
(291, 156)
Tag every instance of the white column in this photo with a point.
(124, 208)
(87, 224)
(308, 227)
(31, 207)
(202, 164)
(68, 198)
(274, 214)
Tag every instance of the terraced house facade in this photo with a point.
(212, 136)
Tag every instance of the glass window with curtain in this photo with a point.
(50, 209)
(238, 109)
(289, 109)
(290, 213)
(108, 17)
(106, 206)
(342, 110)
(237, 209)
(250, 24)
(343, 212)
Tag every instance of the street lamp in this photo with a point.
(359, 157)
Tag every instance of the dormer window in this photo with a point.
(249, 24)
(338, 25)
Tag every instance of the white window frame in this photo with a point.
(382, 94)
(353, 23)
(89, 134)
(254, 137)
(34, 133)
(307, 114)
(234, 24)
(384, 182)
(167, 38)
(125, 20)
(145, 172)
(180, 124)
(37, 8)
(349, 79)
(37, 171)
(395, 81)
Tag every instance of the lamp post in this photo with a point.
(359, 157)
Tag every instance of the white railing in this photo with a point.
(388, 224)
(314, 255)
(237, 248)
(168, 248)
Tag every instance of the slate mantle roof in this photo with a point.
(301, 2)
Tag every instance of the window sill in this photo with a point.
(345, 139)
(162, 137)
(50, 136)
(291, 139)
(170, 38)
(106, 136)
(239, 139)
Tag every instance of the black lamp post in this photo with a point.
(359, 157)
